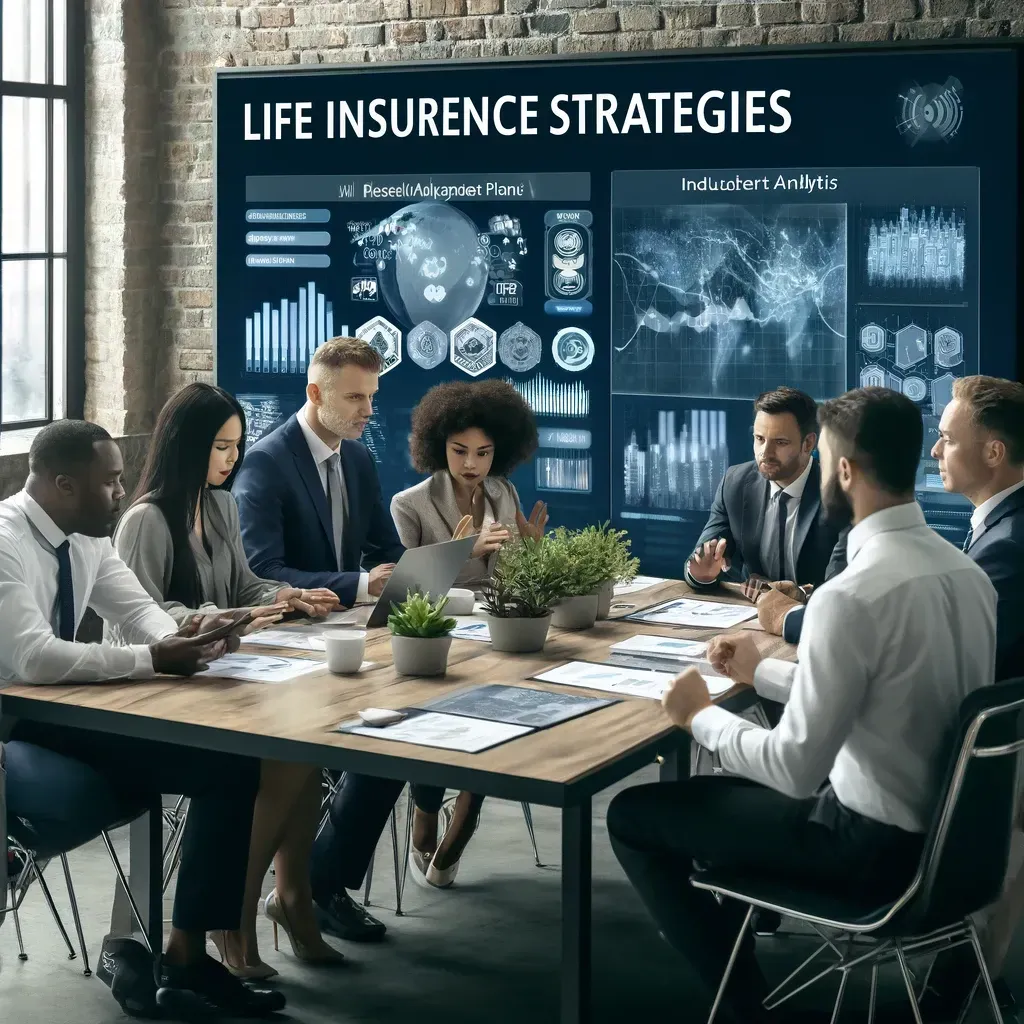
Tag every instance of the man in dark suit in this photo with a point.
(311, 510)
(766, 523)
(980, 452)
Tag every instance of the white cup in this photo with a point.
(345, 649)
(460, 602)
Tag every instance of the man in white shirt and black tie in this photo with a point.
(840, 793)
(66, 784)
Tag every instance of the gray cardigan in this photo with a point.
(428, 514)
(143, 540)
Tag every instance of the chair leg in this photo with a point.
(997, 1015)
(908, 981)
(127, 889)
(398, 867)
(732, 962)
(369, 880)
(73, 898)
(22, 955)
(873, 994)
(409, 809)
(528, 815)
(172, 853)
(843, 978)
(45, 890)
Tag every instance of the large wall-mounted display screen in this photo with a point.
(640, 245)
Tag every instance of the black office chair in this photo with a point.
(962, 868)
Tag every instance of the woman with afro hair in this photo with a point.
(469, 436)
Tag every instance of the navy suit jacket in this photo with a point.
(286, 529)
(1000, 552)
(738, 515)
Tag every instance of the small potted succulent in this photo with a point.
(526, 582)
(420, 635)
(609, 551)
(581, 573)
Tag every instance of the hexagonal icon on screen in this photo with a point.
(385, 338)
(942, 393)
(872, 376)
(872, 339)
(915, 389)
(573, 349)
(473, 347)
(427, 345)
(519, 347)
(949, 347)
(911, 345)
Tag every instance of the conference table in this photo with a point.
(563, 766)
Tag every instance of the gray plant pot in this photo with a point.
(575, 612)
(518, 636)
(605, 593)
(420, 656)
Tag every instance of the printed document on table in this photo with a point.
(260, 668)
(631, 682)
(669, 647)
(471, 628)
(638, 584)
(284, 638)
(448, 732)
(700, 614)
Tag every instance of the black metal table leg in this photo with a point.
(146, 874)
(674, 763)
(576, 914)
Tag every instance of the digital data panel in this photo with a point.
(639, 245)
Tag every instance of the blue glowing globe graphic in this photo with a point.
(437, 269)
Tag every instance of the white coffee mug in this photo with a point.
(345, 649)
(460, 602)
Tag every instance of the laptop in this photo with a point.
(431, 569)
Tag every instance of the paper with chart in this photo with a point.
(630, 682)
(637, 584)
(670, 648)
(701, 614)
(518, 705)
(448, 732)
(470, 628)
(288, 638)
(260, 668)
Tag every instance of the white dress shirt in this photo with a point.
(32, 652)
(795, 491)
(321, 452)
(889, 649)
(981, 513)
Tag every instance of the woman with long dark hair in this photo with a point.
(182, 539)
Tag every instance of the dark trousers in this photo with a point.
(657, 831)
(68, 784)
(355, 819)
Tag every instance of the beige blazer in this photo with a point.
(428, 514)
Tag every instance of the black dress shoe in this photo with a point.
(126, 968)
(765, 922)
(207, 989)
(343, 917)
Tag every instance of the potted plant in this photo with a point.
(609, 551)
(581, 574)
(526, 582)
(420, 635)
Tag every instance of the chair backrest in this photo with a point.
(966, 852)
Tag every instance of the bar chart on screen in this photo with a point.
(281, 337)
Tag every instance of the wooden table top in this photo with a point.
(296, 720)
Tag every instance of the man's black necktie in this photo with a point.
(780, 527)
(968, 538)
(65, 592)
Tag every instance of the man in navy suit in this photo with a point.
(311, 510)
(767, 522)
(980, 452)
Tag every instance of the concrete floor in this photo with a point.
(487, 950)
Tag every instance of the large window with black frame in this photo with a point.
(41, 220)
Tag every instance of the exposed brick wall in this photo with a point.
(149, 122)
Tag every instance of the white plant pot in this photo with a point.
(420, 656)
(605, 593)
(518, 636)
(575, 612)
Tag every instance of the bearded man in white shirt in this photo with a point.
(66, 784)
(840, 793)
